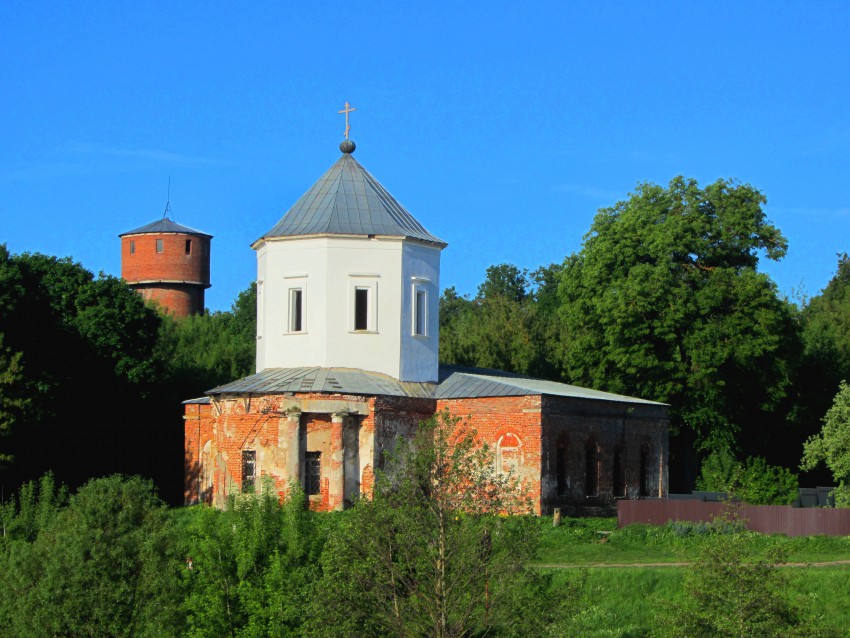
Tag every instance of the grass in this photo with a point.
(631, 602)
(580, 541)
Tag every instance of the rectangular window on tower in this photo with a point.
(361, 308)
(159, 245)
(420, 312)
(249, 470)
(188, 246)
(132, 247)
(296, 310)
(313, 473)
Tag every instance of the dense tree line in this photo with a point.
(665, 301)
(91, 379)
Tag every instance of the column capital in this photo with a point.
(339, 417)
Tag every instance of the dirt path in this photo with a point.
(831, 563)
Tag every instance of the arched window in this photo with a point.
(619, 478)
(508, 453)
(591, 468)
(644, 470)
(561, 466)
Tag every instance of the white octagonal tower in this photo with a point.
(348, 278)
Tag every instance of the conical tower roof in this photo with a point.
(164, 225)
(347, 200)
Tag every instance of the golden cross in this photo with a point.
(348, 109)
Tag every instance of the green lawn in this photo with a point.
(584, 541)
(629, 602)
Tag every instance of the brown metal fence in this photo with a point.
(767, 519)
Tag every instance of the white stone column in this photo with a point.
(294, 451)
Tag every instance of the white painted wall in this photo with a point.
(328, 270)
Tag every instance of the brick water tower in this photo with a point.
(168, 264)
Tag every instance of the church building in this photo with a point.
(348, 361)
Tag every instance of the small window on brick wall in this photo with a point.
(159, 247)
(619, 479)
(188, 246)
(591, 468)
(643, 471)
(313, 473)
(561, 468)
(249, 470)
(132, 247)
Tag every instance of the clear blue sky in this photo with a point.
(502, 126)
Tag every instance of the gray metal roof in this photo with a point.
(164, 226)
(331, 380)
(455, 383)
(459, 383)
(347, 200)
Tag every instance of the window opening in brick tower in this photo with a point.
(188, 246)
(159, 245)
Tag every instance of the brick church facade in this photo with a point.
(347, 347)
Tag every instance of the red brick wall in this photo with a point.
(507, 420)
(230, 429)
(179, 300)
(576, 425)
(171, 264)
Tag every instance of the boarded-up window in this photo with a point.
(249, 470)
(313, 473)
(508, 454)
(159, 247)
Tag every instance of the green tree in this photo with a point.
(204, 351)
(511, 324)
(832, 445)
(253, 567)
(429, 555)
(754, 481)
(664, 301)
(108, 564)
(730, 596)
(64, 332)
(825, 321)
